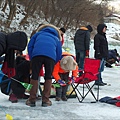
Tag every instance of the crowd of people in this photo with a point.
(45, 51)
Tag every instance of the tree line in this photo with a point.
(20, 14)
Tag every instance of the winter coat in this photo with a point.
(110, 100)
(46, 42)
(22, 68)
(58, 69)
(82, 39)
(14, 41)
(100, 43)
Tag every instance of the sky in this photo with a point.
(72, 109)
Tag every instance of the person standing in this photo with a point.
(101, 50)
(82, 42)
(44, 48)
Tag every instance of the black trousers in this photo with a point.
(37, 63)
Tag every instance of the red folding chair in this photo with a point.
(90, 74)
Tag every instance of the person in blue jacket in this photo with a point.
(44, 48)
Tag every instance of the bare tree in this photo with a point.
(5, 5)
(62, 13)
(30, 8)
(12, 7)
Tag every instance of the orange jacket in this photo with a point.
(58, 69)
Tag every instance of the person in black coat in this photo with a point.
(82, 43)
(22, 67)
(101, 50)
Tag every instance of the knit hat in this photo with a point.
(63, 30)
(68, 63)
(89, 28)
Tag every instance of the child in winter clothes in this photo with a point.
(44, 48)
(61, 74)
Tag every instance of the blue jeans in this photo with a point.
(101, 69)
(80, 56)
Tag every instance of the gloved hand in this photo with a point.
(62, 82)
(72, 80)
(87, 53)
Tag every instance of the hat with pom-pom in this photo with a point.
(68, 63)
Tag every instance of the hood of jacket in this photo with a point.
(100, 28)
(17, 40)
(48, 26)
(83, 28)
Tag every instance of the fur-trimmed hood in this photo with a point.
(46, 41)
(50, 25)
(83, 28)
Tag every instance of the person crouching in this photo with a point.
(61, 74)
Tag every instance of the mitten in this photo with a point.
(72, 80)
(87, 52)
(62, 82)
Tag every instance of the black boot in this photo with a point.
(58, 93)
(64, 90)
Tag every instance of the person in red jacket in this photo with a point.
(61, 74)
